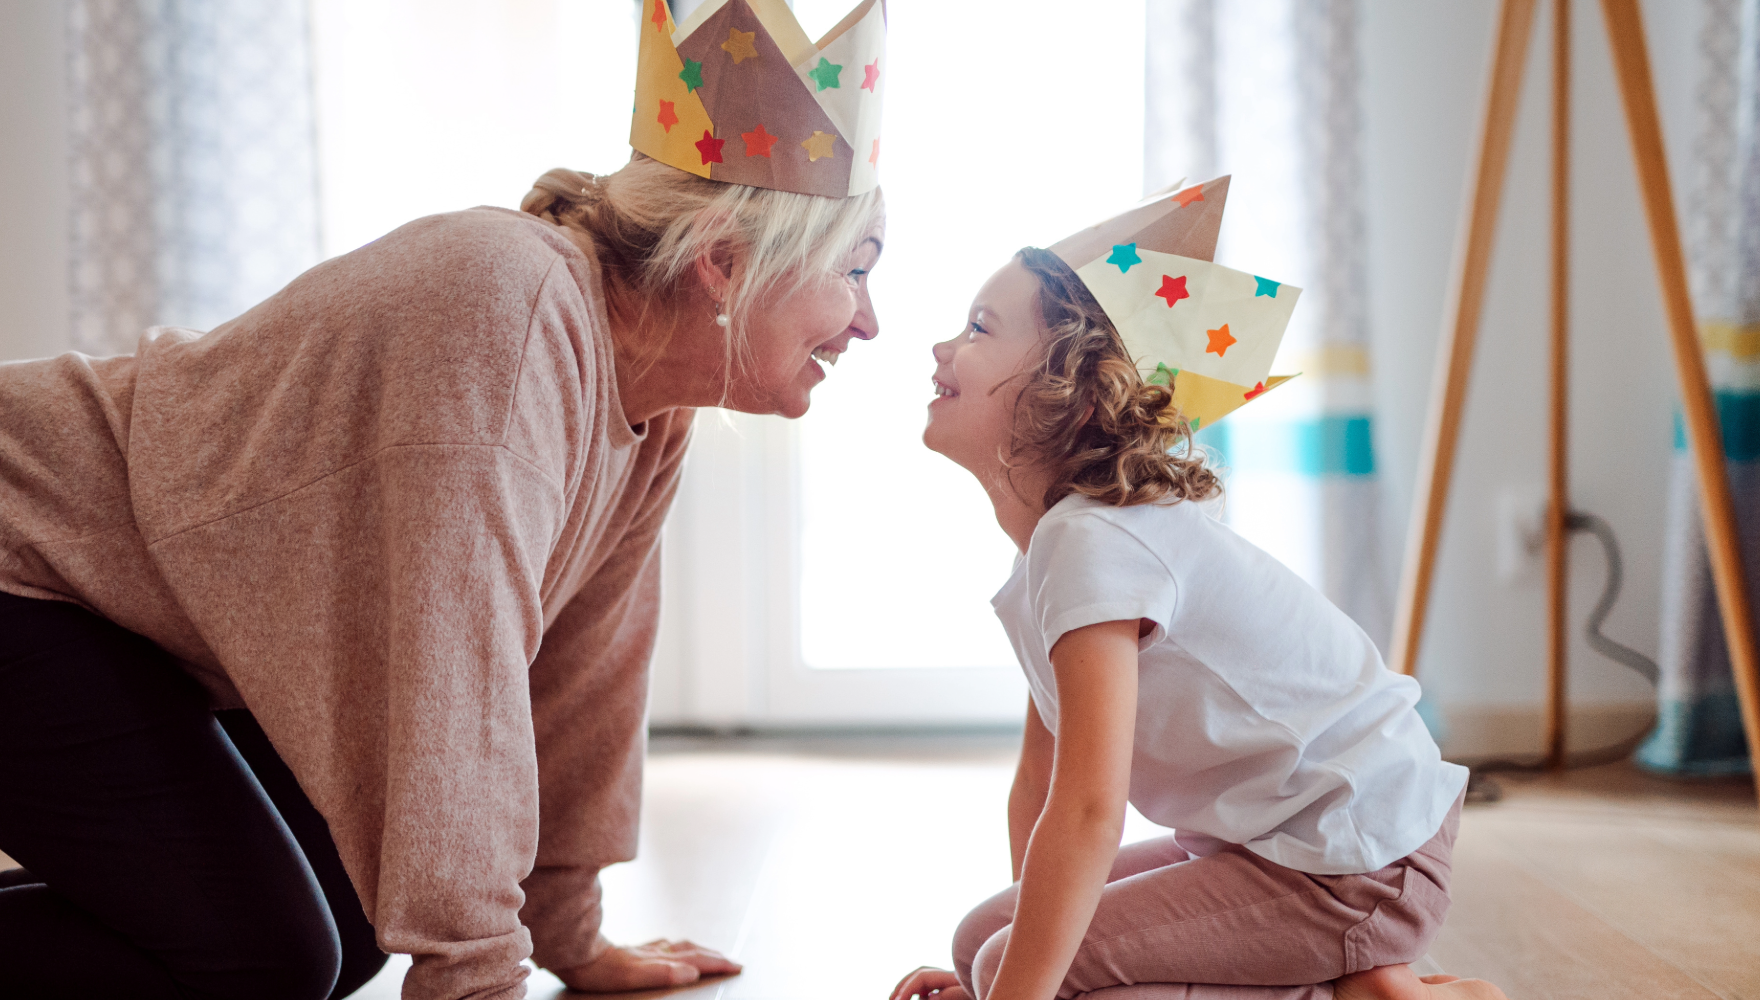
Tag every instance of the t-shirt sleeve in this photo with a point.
(1084, 569)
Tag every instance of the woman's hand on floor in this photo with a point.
(928, 983)
(654, 965)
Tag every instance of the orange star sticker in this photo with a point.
(1189, 195)
(1258, 388)
(874, 157)
(1220, 342)
(758, 141)
(820, 146)
(1173, 289)
(660, 17)
(667, 117)
(739, 45)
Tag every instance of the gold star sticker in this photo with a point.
(739, 45)
(820, 146)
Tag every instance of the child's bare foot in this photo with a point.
(1399, 982)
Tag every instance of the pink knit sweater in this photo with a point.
(397, 512)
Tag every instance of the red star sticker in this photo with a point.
(1220, 342)
(871, 73)
(1173, 289)
(1189, 195)
(659, 17)
(710, 147)
(758, 141)
(874, 157)
(668, 117)
(1258, 388)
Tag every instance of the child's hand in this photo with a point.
(930, 984)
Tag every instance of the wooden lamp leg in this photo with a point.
(1558, 459)
(1454, 356)
(1625, 32)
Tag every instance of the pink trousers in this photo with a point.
(1231, 926)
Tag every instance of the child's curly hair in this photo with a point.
(1086, 412)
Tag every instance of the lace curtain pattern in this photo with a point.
(193, 173)
(1267, 90)
(1699, 729)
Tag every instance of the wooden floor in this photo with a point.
(833, 866)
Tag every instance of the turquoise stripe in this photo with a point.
(1738, 416)
(1340, 445)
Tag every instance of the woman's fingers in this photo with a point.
(648, 966)
(706, 960)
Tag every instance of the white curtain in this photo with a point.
(194, 186)
(1268, 91)
(1699, 729)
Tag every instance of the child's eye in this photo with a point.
(978, 328)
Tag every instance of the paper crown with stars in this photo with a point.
(1208, 331)
(738, 93)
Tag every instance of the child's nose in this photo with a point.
(942, 351)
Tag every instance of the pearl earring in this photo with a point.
(721, 319)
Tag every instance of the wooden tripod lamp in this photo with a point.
(1631, 61)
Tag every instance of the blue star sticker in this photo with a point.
(1124, 256)
(1266, 287)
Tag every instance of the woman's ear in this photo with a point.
(715, 270)
(715, 264)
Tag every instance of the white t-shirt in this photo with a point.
(1265, 716)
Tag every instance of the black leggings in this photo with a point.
(167, 850)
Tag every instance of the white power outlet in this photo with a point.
(1521, 535)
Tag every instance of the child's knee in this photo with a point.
(986, 919)
(985, 964)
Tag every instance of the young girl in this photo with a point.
(1173, 664)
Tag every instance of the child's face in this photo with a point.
(972, 414)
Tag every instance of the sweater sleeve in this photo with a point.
(379, 622)
(589, 705)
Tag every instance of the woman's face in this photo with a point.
(972, 415)
(792, 335)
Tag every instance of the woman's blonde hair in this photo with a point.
(1086, 413)
(648, 223)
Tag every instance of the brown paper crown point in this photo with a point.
(1184, 222)
(739, 94)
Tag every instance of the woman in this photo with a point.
(399, 524)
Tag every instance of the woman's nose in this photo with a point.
(865, 324)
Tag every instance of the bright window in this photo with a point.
(1007, 125)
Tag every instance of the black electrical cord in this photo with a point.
(1480, 787)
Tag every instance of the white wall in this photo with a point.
(1425, 70)
(33, 181)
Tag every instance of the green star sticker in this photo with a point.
(1163, 375)
(692, 75)
(825, 74)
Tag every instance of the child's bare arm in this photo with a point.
(1076, 837)
(1032, 782)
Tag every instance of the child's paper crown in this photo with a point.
(1208, 331)
(738, 93)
